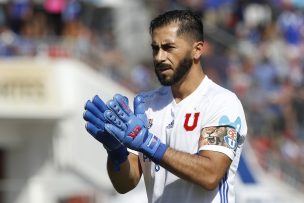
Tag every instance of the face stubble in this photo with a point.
(181, 70)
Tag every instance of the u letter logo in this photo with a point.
(194, 124)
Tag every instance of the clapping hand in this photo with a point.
(95, 125)
(131, 128)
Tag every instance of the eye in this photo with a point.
(154, 48)
(168, 47)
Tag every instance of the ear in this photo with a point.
(197, 50)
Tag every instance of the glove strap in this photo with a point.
(159, 153)
(118, 156)
(153, 148)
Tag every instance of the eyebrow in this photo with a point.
(164, 44)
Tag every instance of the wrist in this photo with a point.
(159, 153)
(154, 148)
(118, 156)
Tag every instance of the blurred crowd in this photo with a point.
(54, 28)
(255, 50)
(23, 21)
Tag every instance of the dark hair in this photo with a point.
(189, 23)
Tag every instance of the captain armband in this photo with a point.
(220, 135)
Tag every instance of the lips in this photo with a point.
(162, 67)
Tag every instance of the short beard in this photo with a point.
(181, 71)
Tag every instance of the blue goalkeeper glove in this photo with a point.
(131, 129)
(96, 127)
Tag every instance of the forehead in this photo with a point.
(165, 34)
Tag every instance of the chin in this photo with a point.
(166, 82)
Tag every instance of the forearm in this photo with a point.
(128, 175)
(203, 169)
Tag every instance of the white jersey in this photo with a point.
(179, 126)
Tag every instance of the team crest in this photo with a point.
(231, 138)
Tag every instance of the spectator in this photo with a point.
(54, 9)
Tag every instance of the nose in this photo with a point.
(160, 56)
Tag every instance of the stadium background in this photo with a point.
(56, 54)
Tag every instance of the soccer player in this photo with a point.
(185, 137)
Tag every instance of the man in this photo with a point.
(185, 136)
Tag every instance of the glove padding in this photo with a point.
(96, 127)
(131, 129)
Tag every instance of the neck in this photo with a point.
(188, 84)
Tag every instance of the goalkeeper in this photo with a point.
(185, 137)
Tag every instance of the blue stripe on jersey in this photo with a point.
(227, 189)
(220, 190)
(223, 189)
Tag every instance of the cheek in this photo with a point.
(174, 59)
(181, 55)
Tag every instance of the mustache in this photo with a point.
(162, 66)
